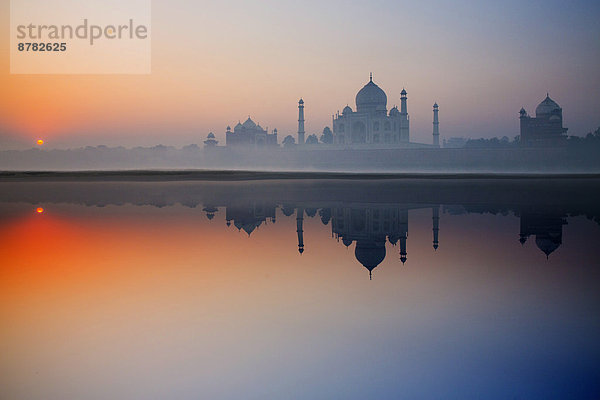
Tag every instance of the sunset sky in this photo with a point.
(214, 63)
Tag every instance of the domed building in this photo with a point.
(371, 123)
(211, 141)
(546, 129)
(250, 134)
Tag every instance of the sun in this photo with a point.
(40, 142)
(39, 210)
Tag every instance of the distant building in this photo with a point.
(547, 126)
(455, 142)
(210, 140)
(250, 134)
(371, 123)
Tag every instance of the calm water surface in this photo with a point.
(300, 290)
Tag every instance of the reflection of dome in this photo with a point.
(547, 243)
(287, 210)
(370, 97)
(369, 253)
(347, 110)
(347, 242)
(547, 106)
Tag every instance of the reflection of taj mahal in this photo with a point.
(369, 227)
(373, 226)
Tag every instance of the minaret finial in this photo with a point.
(370, 77)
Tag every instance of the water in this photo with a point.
(297, 289)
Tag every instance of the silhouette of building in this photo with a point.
(546, 129)
(210, 140)
(251, 216)
(371, 123)
(546, 227)
(250, 134)
(455, 143)
(369, 228)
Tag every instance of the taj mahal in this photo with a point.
(371, 123)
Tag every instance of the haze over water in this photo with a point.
(198, 290)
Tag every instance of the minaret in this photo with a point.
(436, 226)
(436, 126)
(299, 221)
(301, 122)
(403, 107)
(404, 123)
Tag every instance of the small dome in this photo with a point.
(394, 111)
(211, 135)
(347, 110)
(249, 123)
(239, 125)
(403, 92)
(546, 107)
(370, 97)
(301, 101)
(435, 105)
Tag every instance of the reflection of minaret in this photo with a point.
(301, 122)
(403, 248)
(523, 233)
(299, 221)
(436, 126)
(403, 220)
(436, 226)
